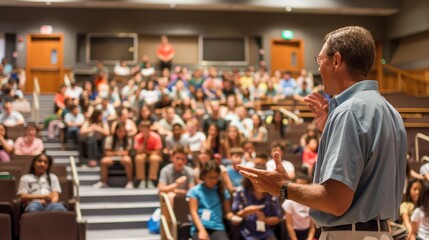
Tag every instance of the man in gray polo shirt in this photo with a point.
(360, 169)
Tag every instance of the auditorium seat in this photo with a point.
(5, 227)
(49, 226)
(10, 204)
(15, 132)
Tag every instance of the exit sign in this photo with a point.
(287, 34)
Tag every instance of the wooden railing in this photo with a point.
(396, 80)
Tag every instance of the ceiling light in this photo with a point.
(288, 9)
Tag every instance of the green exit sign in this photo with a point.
(287, 34)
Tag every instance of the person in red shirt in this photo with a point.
(148, 146)
(165, 53)
(309, 156)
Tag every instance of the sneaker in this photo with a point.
(150, 184)
(129, 185)
(100, 184)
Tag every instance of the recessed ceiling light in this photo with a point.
(288, 9)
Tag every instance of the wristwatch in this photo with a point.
(283, 191)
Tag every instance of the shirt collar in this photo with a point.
(351, 92)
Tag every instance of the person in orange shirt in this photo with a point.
(165, 53)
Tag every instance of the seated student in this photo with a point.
(92, 134)
(419, 220)
(39, 189)
(74, 121)
(176, 139)
(209, 204)
(206, 155)
(309, 156)
(9, 117)
(259, 210)
(176, 178)
(298, 222)
(409, 204)
(234, 175)
(6, 145)
(124, 118)
(117, 145)
(148, 145)
(194, 136)
(271, 165)
(29, 144)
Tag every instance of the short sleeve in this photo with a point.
(55, 183)
(23, 185)
(288, 207)
(163, 176)
(424, 169)
(237, 203)
(344, 157)
(404, 208)
(193, 192)
(417, 215)
(108, 143)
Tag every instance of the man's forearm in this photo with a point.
(329, 197)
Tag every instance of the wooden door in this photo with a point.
(45, 61)
(287, 55)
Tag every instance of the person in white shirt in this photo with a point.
(121, 69)
(74, 121)
(419, 219)
(9, 117)
(271, 165)
(298, 222)
(195, 138)
(74, 91)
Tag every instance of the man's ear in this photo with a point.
(337, 60)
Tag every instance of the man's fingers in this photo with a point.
(250, 170)
(247, 174)
(278, 160)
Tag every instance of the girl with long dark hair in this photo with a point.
(39, 189)
(209, 204)
(118, 145)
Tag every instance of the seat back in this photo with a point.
(5, 227)
(8, 190)
(25, 160)
(182, 213)
(59, 170)
(67, 193)
(49, 225)
(15, 132)
(15, 171)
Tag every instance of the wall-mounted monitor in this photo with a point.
(111, 47)
(223, 50)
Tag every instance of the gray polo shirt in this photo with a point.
(364, 147)
(168, 175)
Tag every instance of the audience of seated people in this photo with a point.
(206, 121)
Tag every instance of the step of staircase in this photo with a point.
(112, 208)
(89, 194)
(129, 234)
(138, 221)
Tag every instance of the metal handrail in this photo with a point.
(291, 115)
(166, 200)
(167, 232)
(76, 184)
(424, 137)
(36, 101)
